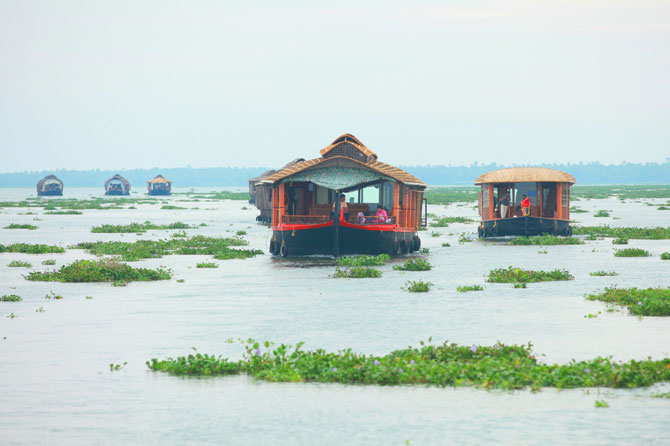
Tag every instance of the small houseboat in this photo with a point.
(49, 186)
(117, 185)
(260, 194)
(159, 186)
(345, 202)
(524, 201)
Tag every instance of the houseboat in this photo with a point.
(524, 201)
(49, 186)
(159, 186)
(260, 194)
(117, 185)
(345, 202)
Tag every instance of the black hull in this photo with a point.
(51, 193)
(351, 241)
(159, 192)
(525, 226)
(115, 193)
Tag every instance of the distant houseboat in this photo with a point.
(345, 202)
(117, 185)
(49, 186)
(260, 194)
(502, 207)
(159, 186)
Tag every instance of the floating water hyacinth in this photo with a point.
(587, 370)
(258, 351)
(473, 348)
(411, 362)
(376, 361)
(334, 369)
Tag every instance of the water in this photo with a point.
(56, 387)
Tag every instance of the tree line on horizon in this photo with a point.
(585, 173)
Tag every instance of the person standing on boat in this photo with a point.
(525, 206)
(344, 209)
(504, 205)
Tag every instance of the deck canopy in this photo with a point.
(158, 179)
(118, 181)
(344, 163)
(49, 181)
(525, 175)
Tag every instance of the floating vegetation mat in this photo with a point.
(364, 260)
(21, 226)
(28, 248)
(632, 252)
(658, 233)
(53, 204)
(107, 270)
(444, 221)
(518, 275)
(603, 273)
(448, 195)
(418, 286)
(491, 367)
(223, 195)
(640, 302)
(545, 240)
(139, 227)
(10, 298)
(19, 264)
(414, 265)
(621, 191)
(466, 288)
(357, 272)
(220, 248)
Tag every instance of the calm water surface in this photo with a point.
(56, 387)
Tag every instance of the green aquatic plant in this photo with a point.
(448, 195)
(169, 207)
(364, 260)
(603, 273)
(63, 213)
(576, 210)
(434, 234)
(19, 264)
(425, 251)
(661, 395)
(464, 239)
(444, 221)
(241, 233)
(53, 295)
(28, 248)
(520, 285)
(665, 256)
(601, 403)
(12, 316)
(602, 213)
(545, 240)
(416, 264)
(10, 298)
(657, 233)
(21, 226)
(106, 270)
(49, 262)
(466, 288)
(498, 366)
(518, 275)
(418, 286)
(220, 248)
(138, 227)
(632, 252)
(446, 245)
(640, 302)
(620, 241)
(181, 234)
(357, 272)
(116, 367)
(207, 265)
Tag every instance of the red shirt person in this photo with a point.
(525, 206)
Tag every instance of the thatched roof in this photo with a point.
(265, 174)
(48, 180)
(351, 151)
(117, 177)
(525, 175)
(159, 179)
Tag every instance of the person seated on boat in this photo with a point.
(504, 205)
(525, 206)
(381, 215)
(360, 218)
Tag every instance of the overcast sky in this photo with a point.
(124, 84)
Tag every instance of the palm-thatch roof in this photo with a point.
(159, 179)
(49, 179)
(346, 150)
(525, 175)
(119, 178)
(265, 174)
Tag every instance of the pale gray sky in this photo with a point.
(124, 84)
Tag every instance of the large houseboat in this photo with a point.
(260, 194)
(117, 185)
(345, 202)
(159, 185)
(524, 201)
(50, 186)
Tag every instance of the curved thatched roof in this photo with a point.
(49, 179)
(117, 177)
(347, 149)
(525, 175)
(159, 179)
(265, 174)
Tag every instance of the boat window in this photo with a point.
(388, 195)
(351, 196)
(321, 195)
(565, 197)
(370, 194)
(527, 189)
(485, 197)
